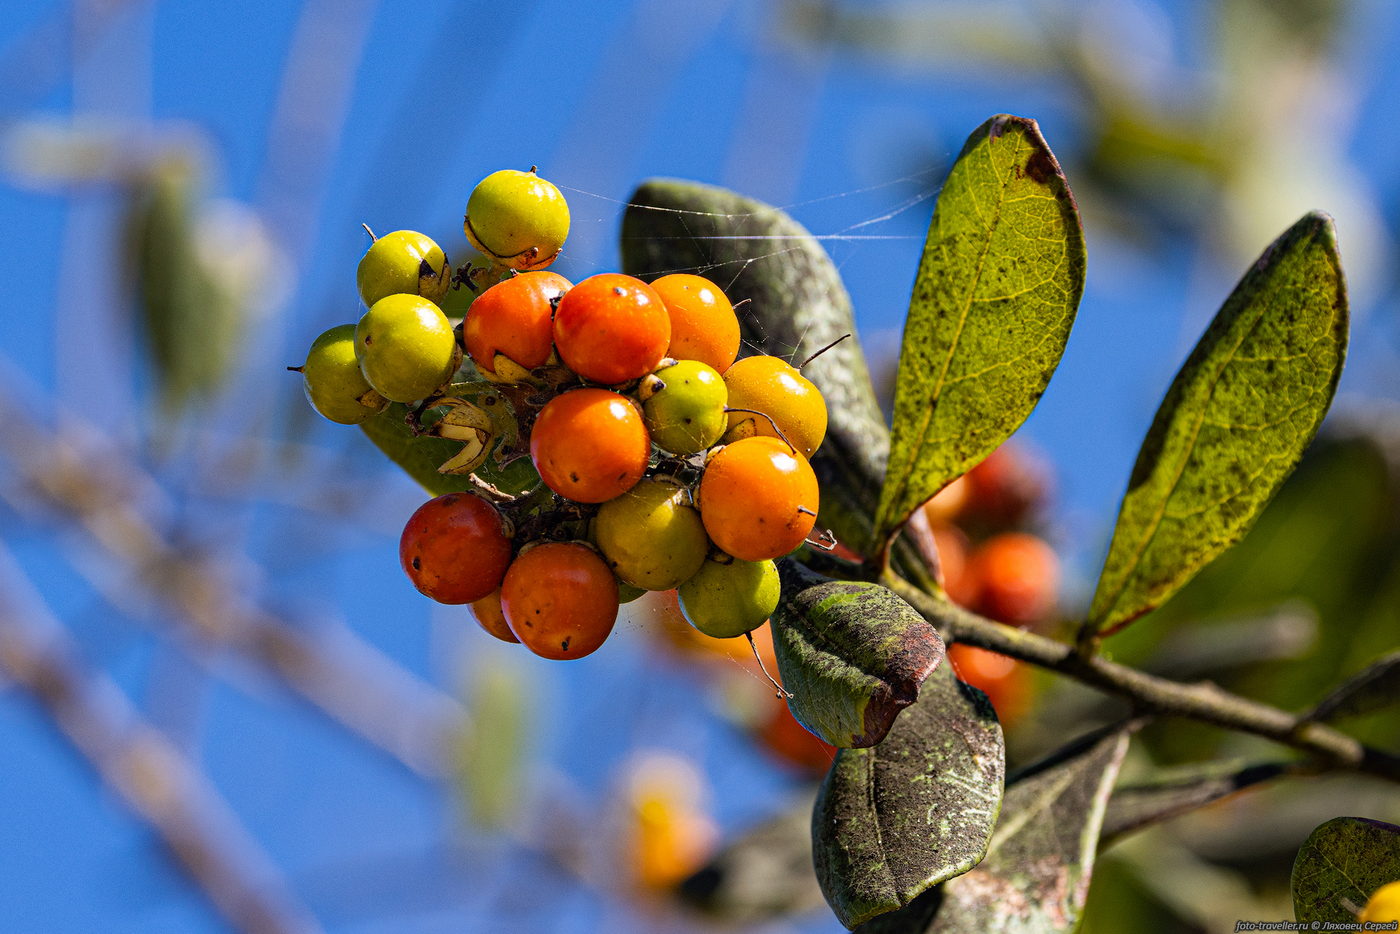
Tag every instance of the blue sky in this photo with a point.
(392, 113)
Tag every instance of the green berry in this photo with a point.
(626, 593)
(403, 262)
(406, 347)
(684, 406)
(334, 385)
(651, 536)
(728, 597)
(518, 219)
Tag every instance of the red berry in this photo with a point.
(455, 548)
(560, 600)
(590, 445)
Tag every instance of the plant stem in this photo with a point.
(1148, 693)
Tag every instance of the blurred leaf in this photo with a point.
(1233, 424)
(795, 304)
(1340, 865)
(763, 874)
(997, 289)
(852, 654)
(189, 324)
(1375, 687)
(1142, 804)
(490, 752)
(894, 819)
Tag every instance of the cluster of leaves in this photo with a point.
(917, 826)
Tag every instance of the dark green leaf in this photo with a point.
(1340, 865)
(997, 290)
(1377, 686)
(894, 819)
(794, 305)
(1140, 805)
(1036, 876)
(852, 654)
(1233, 425)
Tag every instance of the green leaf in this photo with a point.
(1233, 424)
(1340, 865)
(420, 456)
(851, 654)
(997, 289)
(894, 819)
(1375, 687)
(490, 753)
(763, 874)
(1164, 796)
(189, 323)
(795, 304)
(1036, 876)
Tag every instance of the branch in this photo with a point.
(141, 765)
(1151, 694)
(95, 485)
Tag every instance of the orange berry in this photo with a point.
(514, 318)
(1004, 680)
(490, 617)
(611, 328)
(590, 445)
(1018, 578)
(560, 600)
(758, 499)
(774, 387)
(703, 324)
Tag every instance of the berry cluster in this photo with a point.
(659, 462)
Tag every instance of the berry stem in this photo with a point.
(372, 237)
(822, 351)
(777, 685)
(770, 421)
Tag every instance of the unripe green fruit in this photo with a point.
(650, 536)
(406, 347)
(728, 597)
(334, 385)
(626, 593)
(518, 219)
(406, 262)
(684, 406)
(482, 274)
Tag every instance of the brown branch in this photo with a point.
(144, 768)
(1148, 693)
(97, 487)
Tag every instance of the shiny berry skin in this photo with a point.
(703, 324)
(651, 536)
(403, 262)
(758, 499)
(406, 347)
(514, 318)
(517, 218)
(728, 597)
(590, 445)
(455, 548)
(684, 407)
(334, 385)
(560, 600)
(774, 387)
(489, 616)
(611, 328)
